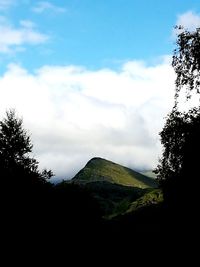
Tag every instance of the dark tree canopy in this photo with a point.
(186, 61)
(15, 150)
(15, 144)
(178, 167)
(180, 138)
(172, 138)
(31, 204)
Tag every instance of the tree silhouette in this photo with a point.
(16, 164)
(28, 197)
(25, 190)
(186, 61)
(178, 168)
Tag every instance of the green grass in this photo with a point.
(98, 169)
(153, 197)
(125, 207)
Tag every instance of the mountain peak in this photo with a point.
(99, 169)
(97, 160)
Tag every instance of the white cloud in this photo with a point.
(189, 20)
(14, 37)
(4, 4)
(74, 113)
(43, 6)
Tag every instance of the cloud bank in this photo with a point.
(74, 113)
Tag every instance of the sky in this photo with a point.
(91, 77)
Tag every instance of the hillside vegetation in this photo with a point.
(98, 169)
(115, 187)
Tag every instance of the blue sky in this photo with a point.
(93, 33)
(91, 77)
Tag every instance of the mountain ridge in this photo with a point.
(100, 169)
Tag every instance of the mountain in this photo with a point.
(149, 173)
(113, 198)
(149, 198)
(102, 170)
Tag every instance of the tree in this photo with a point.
(186, 61)
(178, 168)
(15, 149)
(25, 191)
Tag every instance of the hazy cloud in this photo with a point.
(14, 37)
(74, 113)
(4, 4)
(43, 6)
(189, 20)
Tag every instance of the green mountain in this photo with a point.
(149, 198)
(102, 170)
(113, 198)
(117, 189)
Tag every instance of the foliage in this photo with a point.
(178, 166)
(110, 195)
(186, 61)
(180, 136)
(153, 197)
(15, 149)
(114, 186)
(148, 198)
(15, 143)
(172, 139)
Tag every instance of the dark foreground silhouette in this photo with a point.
(66, 223)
